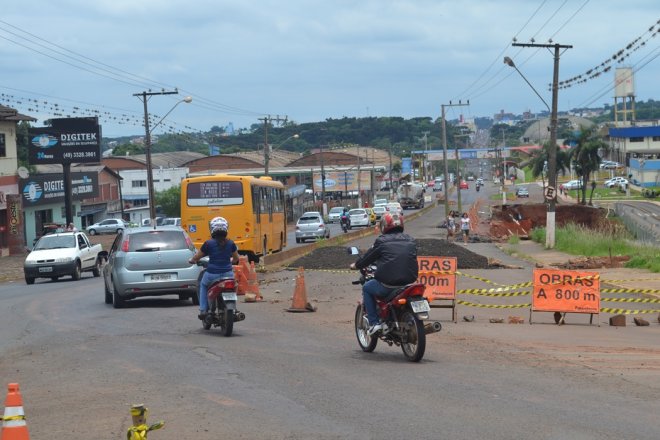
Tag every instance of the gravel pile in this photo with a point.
(337, 257)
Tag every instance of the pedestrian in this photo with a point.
(451, 225)
(71, 228)
(465, 226)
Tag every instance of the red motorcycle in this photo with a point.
(222, 303)
(403, 312)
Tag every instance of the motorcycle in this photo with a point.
(345, 223)
(222, 303)
(478, 186)
(403, 312)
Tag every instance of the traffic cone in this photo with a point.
(14, 426)
(241, 280)
(299, 302)
(253, 294)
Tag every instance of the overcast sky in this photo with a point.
(311, 60)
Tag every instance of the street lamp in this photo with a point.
(550, 191)
(268, 150)
(150, 176)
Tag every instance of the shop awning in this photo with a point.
(92, 211)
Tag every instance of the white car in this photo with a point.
(572, 184)
(359, 217)
(615, 181)
(335, 214)
(379, 202)
(394, 207)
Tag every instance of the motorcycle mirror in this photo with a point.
(353, 250)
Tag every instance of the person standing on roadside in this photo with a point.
(465, 226)
(451, 225)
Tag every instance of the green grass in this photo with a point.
(578, 240)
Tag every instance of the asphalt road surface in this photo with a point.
(81, 364)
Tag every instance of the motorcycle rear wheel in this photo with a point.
(208, 322)
(413, 341)
(367, 343)
(228, 325)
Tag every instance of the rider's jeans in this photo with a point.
(207, 279)
(370, 291)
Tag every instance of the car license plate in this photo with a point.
(161, 277)
(229, 296)
(45, 269)
(420, 306)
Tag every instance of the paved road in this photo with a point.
(81, 364)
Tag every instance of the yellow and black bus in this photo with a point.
(254, 208)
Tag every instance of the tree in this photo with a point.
(170, 201)
(539, 162)
(585, 158)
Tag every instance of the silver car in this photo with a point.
(150, 262)
(335, 214)
(311, 226)
(107, 226)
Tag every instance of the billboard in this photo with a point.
(68, 140)
(343, 181)
(43, 189)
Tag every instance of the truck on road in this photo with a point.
(410, 195)
(62, 254)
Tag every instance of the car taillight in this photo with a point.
(124, 244)
(189, 242)
(321, 225)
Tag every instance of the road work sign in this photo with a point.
(438, 274)
(566, 291)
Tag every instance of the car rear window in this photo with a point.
(153, 241)
(310, 219)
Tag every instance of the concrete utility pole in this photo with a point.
(266, 120)
(551, 190)
(444, 149)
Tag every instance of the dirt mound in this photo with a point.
(594, 262)
(336, 257)
(520, 219)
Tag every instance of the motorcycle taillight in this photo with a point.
(417, 290)
(229, 285)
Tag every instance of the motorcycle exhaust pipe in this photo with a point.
(432, 327)
(239, 316)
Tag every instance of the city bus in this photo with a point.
(253, 206)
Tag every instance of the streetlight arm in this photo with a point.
(187, 100)
(510, 62)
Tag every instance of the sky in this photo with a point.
(312, 60)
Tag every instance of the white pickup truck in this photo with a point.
(62, 254)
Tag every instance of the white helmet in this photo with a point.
(219, 224)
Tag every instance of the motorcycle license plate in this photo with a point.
(229, 296)
(420, 306)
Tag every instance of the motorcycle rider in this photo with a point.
(395, 256)
(222, 254)
(345, 219)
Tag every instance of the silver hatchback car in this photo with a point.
(311, 226)
(150, 262)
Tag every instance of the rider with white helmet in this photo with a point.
(222, 252)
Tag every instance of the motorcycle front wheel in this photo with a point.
(367, 343)
(413, 340)
(228, 326)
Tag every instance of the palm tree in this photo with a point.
(540, 160)
(585, 156)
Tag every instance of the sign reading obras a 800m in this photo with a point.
(566, 291)
(68, 140)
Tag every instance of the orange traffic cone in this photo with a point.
(241, 280)
(299, 302)
(14, 426)
(253, 294)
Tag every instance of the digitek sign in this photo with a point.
(42, 189)
(69, 140)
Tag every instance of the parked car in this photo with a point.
(609, 165)
(107, 226)
(379, 211)
(572, 184)
(148, 261)
(310, 225)
(522, 191)
(335, 214)
(171, 221)
(615, 182)
(464, 185)
(359, 217)
(61, 254)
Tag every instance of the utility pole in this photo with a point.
(444, 150)
(426, 156)
(391, 189)
(551, 190)
(147, 143)
(359, 199)
(324, 207)
(266, 120)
